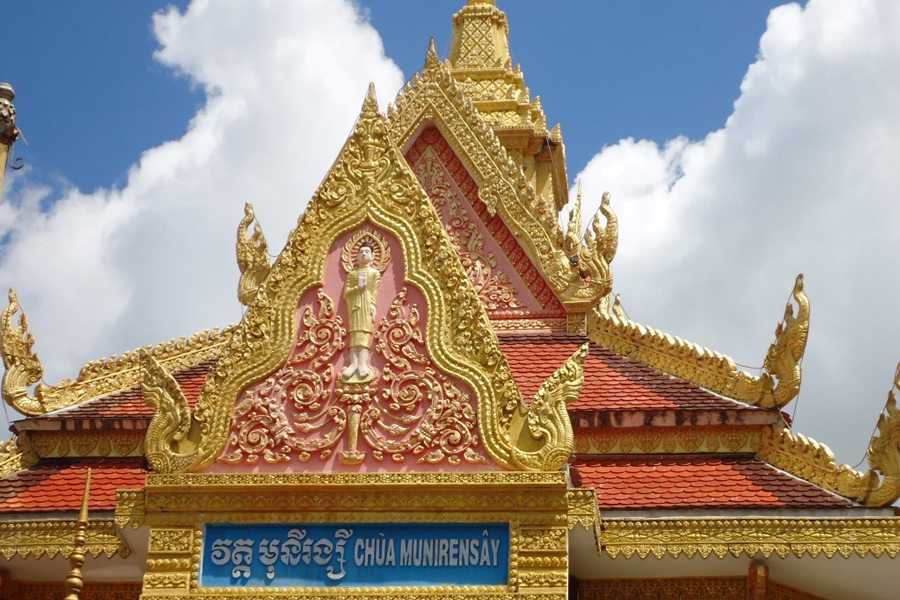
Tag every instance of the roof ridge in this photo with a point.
(774, 388)
(96, 378)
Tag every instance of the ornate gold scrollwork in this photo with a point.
(814, 462)
(369, 183)
(778, 385)
(252, 256)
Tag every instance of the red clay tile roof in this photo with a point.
(130, 402)
(57, 485)
(611, 381)
(695, 481)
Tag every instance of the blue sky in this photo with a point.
(742, 143)
(91, 97)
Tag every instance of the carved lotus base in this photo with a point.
(351, 457)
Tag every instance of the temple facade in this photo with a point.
(434, 393)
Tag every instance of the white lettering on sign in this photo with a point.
(245, 557)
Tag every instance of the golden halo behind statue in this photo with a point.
(380, 249)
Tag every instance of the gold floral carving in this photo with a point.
(54, 537)
(16, 454)
(410, 412)
(764, 537)
(778, 385)
(493, 285)
(583, 510)
(252, 256)
(370, 181)
(434, 96)
(814, 462)
(130, 508)
(92, 591)
(657, 440)
(54, 444)
(99, 378)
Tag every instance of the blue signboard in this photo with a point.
(355, 554)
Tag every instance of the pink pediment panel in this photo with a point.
(506, 280)
(306, 418)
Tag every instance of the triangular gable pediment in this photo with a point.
(431, 354)
(434, 97)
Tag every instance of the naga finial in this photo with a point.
(432, 60)
(23, 369)
(169, 442)
(599, 248)
(546, 440)
(8, 130)
(574, 230)
(252, 256)
(782, 362)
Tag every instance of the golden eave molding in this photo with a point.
(810, 460)
(52, 537)
(97, 378)
(778, 384)
(751, 536)
(433, 95)
(369, 182)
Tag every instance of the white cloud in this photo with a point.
(803, 177)
(120, 268)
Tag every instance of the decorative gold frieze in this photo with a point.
(668, 440)
(130, 508)
(55, 536)
(105, 443)
(583, 509)
(778, 385)
(99, 378)
(810, 460)
(754, 537)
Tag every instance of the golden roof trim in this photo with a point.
(778, 384)
(797, 536)
(52, 537)
(95, 379)
(434, 95)
(808, 459)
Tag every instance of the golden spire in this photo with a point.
(480, 37)
(75, 581)
(8, 130)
